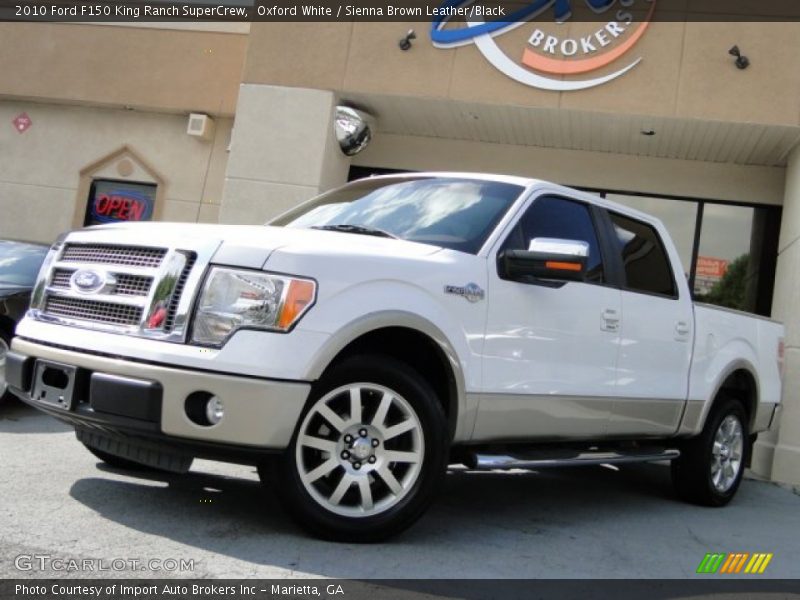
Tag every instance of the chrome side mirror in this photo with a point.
(561, 247)
(546, 258)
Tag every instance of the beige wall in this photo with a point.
(686, 70)
(40, 169)
(145, 68)
(783, 447)
(282, 153)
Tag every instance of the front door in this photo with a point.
(549, 364)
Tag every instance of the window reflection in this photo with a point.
(678, 216)
(448, 212)
(736, 251)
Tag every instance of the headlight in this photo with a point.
(232, 299)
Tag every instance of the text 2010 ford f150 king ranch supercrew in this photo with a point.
(372, 336)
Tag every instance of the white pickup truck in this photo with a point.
(367, 339)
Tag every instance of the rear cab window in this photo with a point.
(645, 262)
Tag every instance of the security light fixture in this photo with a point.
(742, 61)
(353, 129)
(405, 42)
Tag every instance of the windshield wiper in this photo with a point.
(360, 229)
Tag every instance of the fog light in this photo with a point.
(204, 408)
(215, 410)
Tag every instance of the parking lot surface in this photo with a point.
(59, 501)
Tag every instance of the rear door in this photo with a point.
(655, 346)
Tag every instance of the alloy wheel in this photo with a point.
(360, 449)
(726, 453)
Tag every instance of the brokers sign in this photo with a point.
(550, 61)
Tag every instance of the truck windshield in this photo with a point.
(452, 213)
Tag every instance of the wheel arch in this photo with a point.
(414, 340)
(738, 380)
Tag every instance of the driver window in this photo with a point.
(552, 217)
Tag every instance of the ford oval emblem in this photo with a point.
(87, 281)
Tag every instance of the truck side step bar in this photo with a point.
(488, 462)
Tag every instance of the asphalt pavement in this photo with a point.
(59, 502)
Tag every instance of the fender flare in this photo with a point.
(693, 424)
(465, 415)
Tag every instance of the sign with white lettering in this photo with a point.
(551, 60)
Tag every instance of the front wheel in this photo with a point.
(711, 465)
(368, 455)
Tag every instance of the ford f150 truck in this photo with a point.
(371, 337)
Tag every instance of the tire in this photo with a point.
(118, 462)
(711, 465)
(5, 345)
(337, 479)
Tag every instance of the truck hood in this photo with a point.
(251, 245)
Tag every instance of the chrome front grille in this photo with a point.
(108, 254)
(121, 288)
(172, 310)
(125, 284)
(60, 278)
(92, 310)
(133, 285)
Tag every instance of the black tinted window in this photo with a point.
(551, 217)
(646, 264)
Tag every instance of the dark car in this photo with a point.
(19, 265)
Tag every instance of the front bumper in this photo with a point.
(146, 400)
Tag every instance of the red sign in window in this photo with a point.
(711, 267)
(114, 201)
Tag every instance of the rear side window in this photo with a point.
(647, 267)
(553, 217)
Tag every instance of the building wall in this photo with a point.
(685, 72)
(40, 170)
(778, 453)
(148, 68)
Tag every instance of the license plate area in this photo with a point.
(54, 383)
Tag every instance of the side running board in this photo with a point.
(490, 462)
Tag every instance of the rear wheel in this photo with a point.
(711, 465)
(5, 345)
(368, 455)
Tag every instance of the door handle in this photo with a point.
(610, 320)
(682, 328)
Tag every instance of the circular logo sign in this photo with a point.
(550, 60)
(87, 281)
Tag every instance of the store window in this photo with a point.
(737, 252)
(728, 251)
(111, 201)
